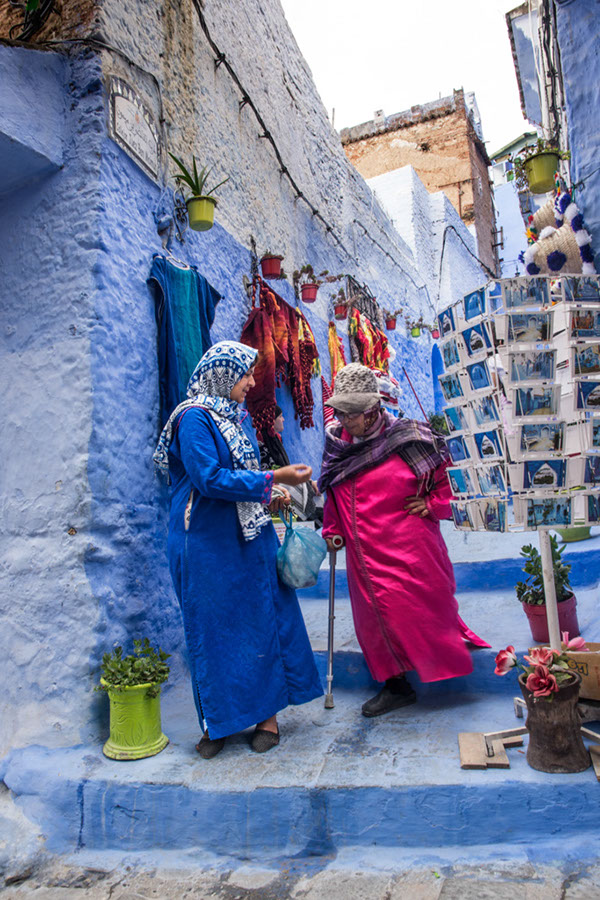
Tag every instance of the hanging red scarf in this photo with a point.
(272, 328)
(368, 344)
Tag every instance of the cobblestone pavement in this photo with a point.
(511, 882)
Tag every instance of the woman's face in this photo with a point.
(278, 424)
(241, 387)
(354, 423)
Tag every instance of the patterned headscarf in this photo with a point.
(209, 388)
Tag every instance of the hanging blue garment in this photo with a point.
(248, 650)
(185, 306)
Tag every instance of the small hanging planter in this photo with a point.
(415, 331)
(271, 266)
(435, 333)
(390, 323)
(201, 212)
(540, 171)
(340, 311)
(308, 292)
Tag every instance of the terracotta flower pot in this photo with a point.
(554, 726)
(390, 323)
(271, 266)
(340, 311)
(308, 292)
(567, 619)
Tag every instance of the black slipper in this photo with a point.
(263, 740)
(208, 748)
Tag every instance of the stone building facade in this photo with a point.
(442, 141)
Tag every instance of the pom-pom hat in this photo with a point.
(356, 389)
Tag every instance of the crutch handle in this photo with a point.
(337, 540)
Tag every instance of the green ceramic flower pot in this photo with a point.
(415, 332)
(201, 212)
(576, 533)
(135, 727)
(540, 171)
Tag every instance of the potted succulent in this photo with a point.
(200, 204)
(270, 265)
(133, 687)
(391, 317)
(535, 166)
(340, 304)
(531, 592)
(308, 283)
(414, 326)
(550, 688)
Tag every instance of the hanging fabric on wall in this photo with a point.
(185, 306)
(368, 345)
(273, 328)
(328, 411)
(336, 352)
(309, 354)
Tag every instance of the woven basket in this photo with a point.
(544, 217)
(563, 241)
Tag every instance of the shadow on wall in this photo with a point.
(437, 368)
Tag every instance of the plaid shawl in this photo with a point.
(421, 448)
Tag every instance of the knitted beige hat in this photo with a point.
(356, 389)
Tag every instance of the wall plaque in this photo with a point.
(133, 127)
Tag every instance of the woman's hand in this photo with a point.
(416, 506)
(316, 488)
(281, 501)
(292, 475)
(335, 542)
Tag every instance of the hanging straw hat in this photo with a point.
(356, 389)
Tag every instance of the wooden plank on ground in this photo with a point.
(515, 741)
(471, 745)
(595, 754)
(499, 760)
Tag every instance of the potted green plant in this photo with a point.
(133, 687)
(414, 326)
(391, 317)
(535, 166)
(531, 592)
(200, 204)
(270, 265)
(340, 304)
(308, 283)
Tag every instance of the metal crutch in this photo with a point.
(338, 543)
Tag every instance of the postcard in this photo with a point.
(461, 481)
(491, 480)
(532, 327)
(450, 354)
(582, 288)
(536, 401)
(462, 516)
(456, 419)
(595, 432)
(479, 376)
(526, 292)
(446, 322)
(548, 511)
(544, 473)
(450, 386)
(593, 509)
(532, 366)
(494, 294)
(588, 395)
(536, 438)
(493, 514)
(587, 360)
(488, 445)
(585, 323)
(474, 304)
(592, 471)
(485, 411)
(476, 339)
(458, 449)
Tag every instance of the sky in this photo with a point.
(394, 54)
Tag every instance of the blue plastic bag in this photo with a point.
(300, 556)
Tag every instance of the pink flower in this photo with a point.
(576, 643)
(541, 682)
(505, 660)
(540, 656)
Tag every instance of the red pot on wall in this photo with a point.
(435, 333)
(567, 619)
(390, 323)
(308, 292)
(340, 311)
(271, 266)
